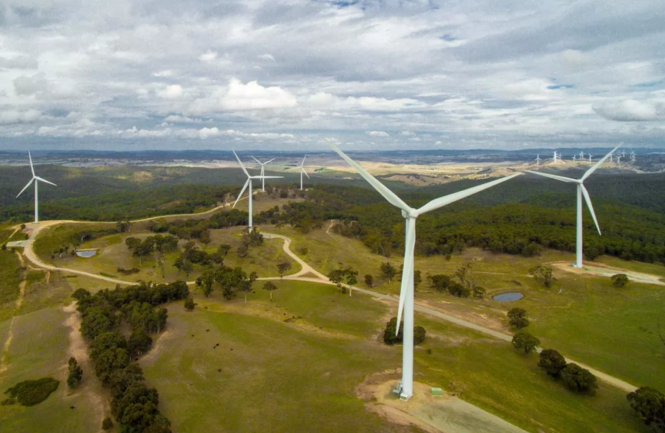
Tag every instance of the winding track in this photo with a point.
(318, 278)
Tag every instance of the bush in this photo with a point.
(107, 424)
(527, 342)
(517, 318)
(32, 392)
(619, 280)
(189, 304)
(552, 362)
(390, 338)
(578, 379)
(75, 373)
(649, 403)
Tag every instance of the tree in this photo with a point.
(224, 249)
(649, 403)
(187, 267)
(369, 280)
(205, 282)
(270, 287)
(336, 276)
(390, 337)
(388, 271)
(75, 373)
(517, 317)
(351, 278)
(619, 280)
(544, 273)
(578, 379)
(440, 283)
(189, 304)
(107, 424)
(552, 362)
(242, 251)
(123, 225)
(479, 292)
(527, 342)
(465, 277)
(132, 243)
(283, 267)
(139, 343)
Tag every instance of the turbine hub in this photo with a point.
(412, 214)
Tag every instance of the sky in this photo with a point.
(370, 75)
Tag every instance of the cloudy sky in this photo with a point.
(368, 74)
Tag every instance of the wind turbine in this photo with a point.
(302, 171)
(589, 157)
(249, 183)
(581, 155)
(538, 160)
(557, 157)
(263, 164)
(581, 191)
(36, 179)
(574, 157)
(406, 291)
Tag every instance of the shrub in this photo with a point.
(517, 318)
(107, 424)
(619, 280)
(189, 304)
(578, 379)
(390, 338)
(32, 392)
(75, 373)
(649, 403)
(527, 342)
(552, 362)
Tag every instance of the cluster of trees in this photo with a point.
(544, 274)
(649, 404)
(574, 377)
(230, 280)
(199, 228)
(134, 405)
(31, 392)
(391, 337)
(340, 277)
(156, 245)
(74, 373)
(518, 318)
(461, 284)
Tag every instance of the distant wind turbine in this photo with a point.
(406, 292)
(581, 155)
(538, 159)
(263, 164)
(302, 171)
(36, 179)
(589, 157)
(574, 157)
(581, 191)
(249, 183)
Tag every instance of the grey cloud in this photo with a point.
(631, 110)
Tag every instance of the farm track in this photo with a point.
(318, 278)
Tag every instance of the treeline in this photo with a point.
(200, 228)
(133, 404)
(629, 233)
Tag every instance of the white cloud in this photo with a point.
(208, 56)
(15, 116)
(377, 134)
(175, 118)
(170, 92)
(267, 57)
(631, 110)
(240, 97)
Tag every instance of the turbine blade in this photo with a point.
(407, 272)
(242, 191)
(450, 198)
(585, 193)
(267, 177)
(596, 165)
(269, 161)
(303, 161)
(257, 160)
(381, 188)
(240, 162)
(31, 166)
(26, 187)
(553, 176)
(303, 170)
(44, 180)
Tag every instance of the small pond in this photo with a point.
(508, 296)
(86, 254)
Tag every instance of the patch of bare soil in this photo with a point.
(78, 349)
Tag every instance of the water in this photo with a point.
(508, 296)
(86, 254)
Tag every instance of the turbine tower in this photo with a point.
(538, 160)
(556, 158)
(581, 191)
(574, 157)
(36, 179)
(581, 155)
(302, 171)
(249, 183)
(263, 164)
(406, 291)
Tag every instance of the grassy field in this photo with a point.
(39, 349)
(252, 382)
(113, 253)
(583, 316)
(11, 276)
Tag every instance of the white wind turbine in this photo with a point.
(581, 191)
(263, 164)
(538, 159)
(406, 291)
(581, 155)
(590, 157)
(249, 183)
(302, 171)
(36, 179)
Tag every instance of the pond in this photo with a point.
(86, 254)
(508, 296)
